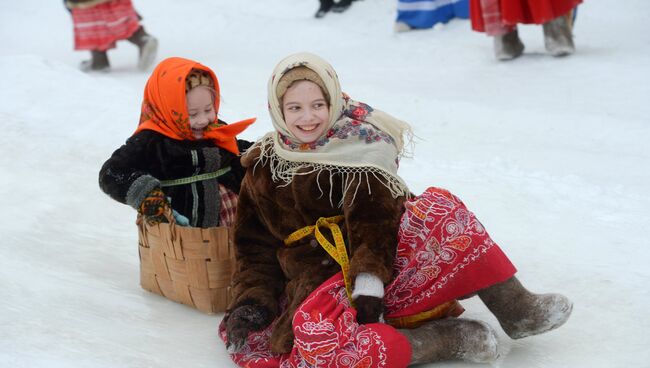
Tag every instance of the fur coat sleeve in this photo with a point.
(258, 277)
(148, 157)
(372, 218)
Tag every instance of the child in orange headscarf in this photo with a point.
(181, 155)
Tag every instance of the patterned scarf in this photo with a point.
(360, 142)
(164, 108)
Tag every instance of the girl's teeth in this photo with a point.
(308, 127)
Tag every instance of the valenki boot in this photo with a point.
(147, 46)
(558, 36)
(98, 62)
(508, 46)
(522, 313)
(452, 338)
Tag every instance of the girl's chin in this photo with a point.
(308, 139)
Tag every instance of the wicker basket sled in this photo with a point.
(189, 265)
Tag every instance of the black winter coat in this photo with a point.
(148, 157)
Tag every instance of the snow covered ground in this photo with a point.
(551, 154)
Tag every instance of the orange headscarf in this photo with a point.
(164, 108)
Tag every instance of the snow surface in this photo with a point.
(551, 154)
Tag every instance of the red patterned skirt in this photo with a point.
(444, 253)
(100, 27)
(497, 17)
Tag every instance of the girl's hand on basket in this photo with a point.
(180, 219)
(369, 309)
(242, 321)
(153, 207)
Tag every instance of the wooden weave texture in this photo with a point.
(189, 265)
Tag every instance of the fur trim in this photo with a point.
(139, 190)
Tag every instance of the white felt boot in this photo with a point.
(452, 338)
(522, 313)
(558, 36)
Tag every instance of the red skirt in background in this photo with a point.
(509, 13)
(444, 253)
(100, 27)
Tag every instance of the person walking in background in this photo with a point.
(499, 19)
(327, 5)
(421, 14)
(99, 24)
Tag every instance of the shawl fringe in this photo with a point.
(284, 171)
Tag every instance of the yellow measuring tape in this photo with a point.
(337, 251)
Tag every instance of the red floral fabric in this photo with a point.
(101, 26)
(327, 335)
(444, 253)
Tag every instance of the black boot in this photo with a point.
(452, 338)
(147, 47)
(341, 6)
(325, 7)
(508, 46)
(98, 62)
(522, 313)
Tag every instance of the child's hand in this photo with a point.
(242, 321)
(369, 309)
(180, 219)
(153, 207)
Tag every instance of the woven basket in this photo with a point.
(189, 265)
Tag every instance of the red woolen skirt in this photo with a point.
(100, 27)
(444, 253)
(487, 14)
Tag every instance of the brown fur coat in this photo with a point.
(268, 213)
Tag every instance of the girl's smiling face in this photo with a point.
(200, 107)
(306, 111)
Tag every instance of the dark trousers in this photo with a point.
(327, 4)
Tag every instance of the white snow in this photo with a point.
(551, 154)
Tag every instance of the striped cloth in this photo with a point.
(427, 13)
(492, 19)
(228, 206)
(100, 27)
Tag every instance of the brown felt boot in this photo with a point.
(147, 46)
(452, 338)
(558, 36)
(508, 46)
(522, 313)
(98, 62)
